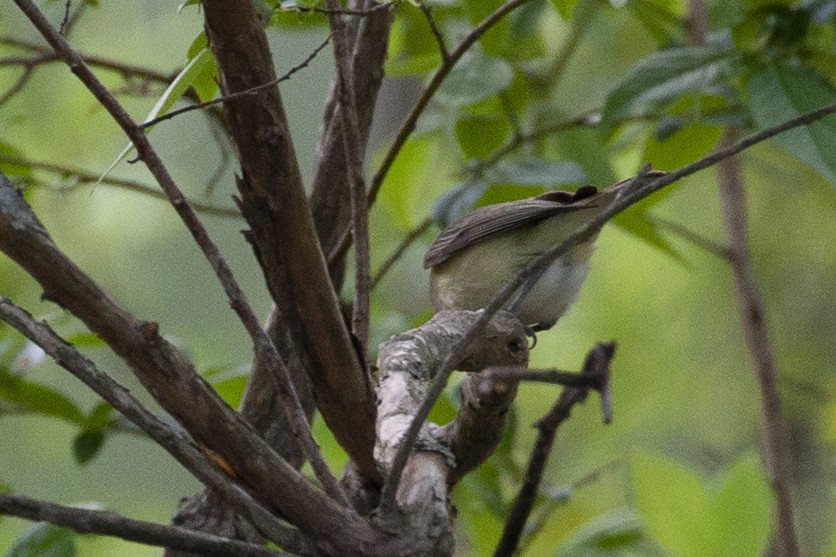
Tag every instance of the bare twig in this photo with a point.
(639, 189)
(177, 443)
(336, 11)
(439, 37)
(536, 525)
(698, 240)
(46, 56)
(597, 365)
(353, 145)
(18, 85)
(408, 125)
(775, 450)
(430, 89)
(238, 301)
(85, 177)
(63, 27)
(238, 94)
(87, 521)
(408, 240)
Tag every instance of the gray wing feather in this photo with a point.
(491, 220)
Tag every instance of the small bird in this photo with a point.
(476, 256)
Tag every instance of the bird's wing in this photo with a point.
(502, 217)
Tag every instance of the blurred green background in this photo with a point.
(684, 396)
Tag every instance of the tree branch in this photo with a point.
(597, 365)
(408, 240)
(640, 188)
(775, 450)
(47, 56)
(85, 521)
(85, 177)
(251, 91)
(274, 204)
(169, 376)
(264, 347)
(408, 125)
(352, 142)
(177, 443)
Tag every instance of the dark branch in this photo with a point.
(634, 192)
(408, 125)
(597, 365)
(775, 450)
(352, 142)
(408, 240)
(85, 521)
(84, 177)
(177, 443)
(264, 347)
(439, 36)
(249, 92)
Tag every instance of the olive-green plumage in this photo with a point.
(476, 256)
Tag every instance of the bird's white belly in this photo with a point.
(554, 292)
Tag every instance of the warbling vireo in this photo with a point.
(476, 256)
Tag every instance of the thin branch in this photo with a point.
(336, 11)
(238, 301)
(430, 89)
(353, 146)
(63, 27)
(597, 365)
(98, 61)
(179, 445)
(84, 177)
(775, 450)
(408, 240)
(536, 525)
(85, 521)
(439, 37)
(237, 95)
(698, 240)
(408, 125)
(634, 192)
(18, 85)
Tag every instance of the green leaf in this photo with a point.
(494, 39)
(480, 136)
(39, 399)
(197, 71)
(87, 445)
(779, 93)
(13, 169)
(673, 505)
(565, 7)
(615, 533)
(230, 383)
(201, 66)
(636, 222)
(100, 417)
(443, 410)
(413, 49)
(476, 77)
(486, 484)
(681, 146)
(662, 19)
(663, 76)
(730, 517)
(535, 171)
(44, 540)
(421, 171)
(86, 339)
(743, 510)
